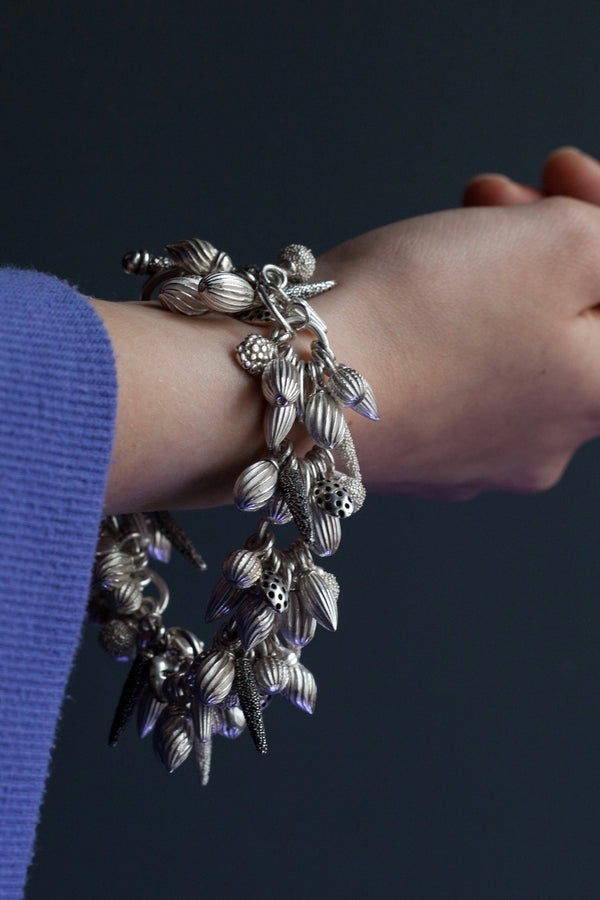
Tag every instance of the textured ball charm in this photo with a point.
(255, 352)
(119, 640)
(298, 261)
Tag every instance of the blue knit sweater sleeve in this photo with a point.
(57, 412)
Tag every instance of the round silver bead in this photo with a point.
(118, 639)
(254, 352)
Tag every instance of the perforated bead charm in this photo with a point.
(330, 496)
(275, 590)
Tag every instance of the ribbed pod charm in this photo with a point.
(301, 689)
(173, 739)
(226, 292)
(242, 568)
(315, 594)
(272, 676)
(255, 485)
(297, 625)
(255, 619)
(197, 256)
(327, 531)
(280, 382)
(324, 420)
(350, 388)
(214, 673)
(181, 295)
(148, 711)
(223, 599)
(278, 423)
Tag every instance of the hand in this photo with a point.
(479, 331)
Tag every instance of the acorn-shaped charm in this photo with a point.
(278, 423)
(198, 257)
(314, 593)
(281, 382)
(213, 674)
(350, 388)
(226, 292)
(327, 533)
(272, 676)
(223, 599)
(297, 624)
(256, 485)
(173, 738)
(324, 420)
(242, 568)
(301, 689)
(254, 618)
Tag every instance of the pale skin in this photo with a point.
(478, 329)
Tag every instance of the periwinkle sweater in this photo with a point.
(57, 411)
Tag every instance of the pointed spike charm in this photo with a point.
(171, 528)
(247, 690)
(132, 689)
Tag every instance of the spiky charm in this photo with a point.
(271, 599)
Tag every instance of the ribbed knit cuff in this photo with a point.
(58, 395)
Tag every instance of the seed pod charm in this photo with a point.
(297, 625)
(256, 485)
(198, 257)
(324, 420)
(315, 594)
(328, 533)
(242, 568)
(223, 599)
(213, 673)
(254, 619)
(173, 739)
(148, 711)
(278, 423)
(350, 388)
(181, 295)
(301, 689)
(272, 676)
(225, 292)
(280, 382)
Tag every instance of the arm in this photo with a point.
(475, 327)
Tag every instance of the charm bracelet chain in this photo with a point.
(271, 599)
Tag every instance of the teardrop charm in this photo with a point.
(254, 619)
(315, 595)
(255, 485)
(324, 420)
(198, 257)
(301, 689)
(181, 295)
(225, 292)
(328, 533)
(280, 382)
(173, 739)
(213, 673)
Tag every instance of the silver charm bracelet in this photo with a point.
(273, 599)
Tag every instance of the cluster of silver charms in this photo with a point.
(271, 599)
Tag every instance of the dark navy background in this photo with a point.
(455, 749)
